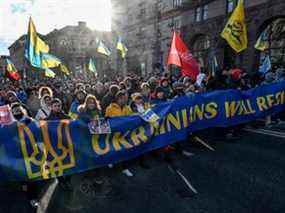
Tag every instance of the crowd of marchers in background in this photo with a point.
(78, 98)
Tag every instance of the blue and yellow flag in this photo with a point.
(63, 68)
(122, 47)
(92, 66)
(266, 65)
(103, 49)
(35, 46)
(49, 73)
(49, 61)
(235, 31)
(262, 42)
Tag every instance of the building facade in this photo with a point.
(150, 23)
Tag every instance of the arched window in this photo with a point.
(274, 36)
(201, 47)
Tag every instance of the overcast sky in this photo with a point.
(49, 14)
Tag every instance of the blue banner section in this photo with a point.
(48, 149)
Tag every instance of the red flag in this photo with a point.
(180, 56)
(12, 71)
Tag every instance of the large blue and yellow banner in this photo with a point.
(49, 149)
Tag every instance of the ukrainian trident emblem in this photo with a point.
(49, 153)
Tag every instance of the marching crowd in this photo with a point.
(76, 98)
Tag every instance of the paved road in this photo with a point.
(246, 176)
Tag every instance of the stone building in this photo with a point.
(3, 64)
(74, 45)
(150, 23)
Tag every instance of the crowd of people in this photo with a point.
(76, 98)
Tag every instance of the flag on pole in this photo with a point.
(34, 46)
(122, 47)
(64, 69)
(49, 61)
(92, 66)
(266, 65)
(180, 56)
(213, 63)
(49, 73)
(103, 49)
(12, 71)
(262, 42)
(235, 32)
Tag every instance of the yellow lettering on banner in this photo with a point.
(174, 120)
(184, 118)
(261, 103)
(154, 128)
(138, 136)
(96, 147)
(280, 96)
(231, 108)
(119, 141)
(162, 129)
(198, 112)
(251, 110)
(191, 115)
(270, 100)
(211, 110)
(243, 108)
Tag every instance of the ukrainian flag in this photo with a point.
(49, 61)
(235, 32)
(49, 73)
(262, 42)
(64, 69)
(35, 46)
(103, 49)
(122, 47)
(92, 66)
(12, 71)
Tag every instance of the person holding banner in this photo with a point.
(119, 107)
(44, 111)
(159, 96)
(90, 109)
(80, 96)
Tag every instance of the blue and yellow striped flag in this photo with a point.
(34, 46)
(49, 61)
(63, 68)
(262, 42)
(103, 49)
(235, 32)
(122, 47)
(49, 73)
(92, 66)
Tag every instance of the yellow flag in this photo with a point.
(235, 31)
(64, 69)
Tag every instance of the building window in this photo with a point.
(198, 14)
(201, 13)
(177, 24)
(205, 12)
(142, 12)
(177, 3)
(201, 49)
(274, 38)
(231, 4)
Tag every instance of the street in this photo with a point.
(244, 176)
